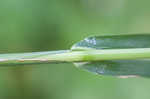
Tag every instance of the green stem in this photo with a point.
(74, 56)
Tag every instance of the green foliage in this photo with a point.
(123, 41)
(129, 68)
(118, 55)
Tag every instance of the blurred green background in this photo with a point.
(43, 25)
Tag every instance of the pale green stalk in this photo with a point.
(74, 56)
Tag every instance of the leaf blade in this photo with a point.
(114, 42)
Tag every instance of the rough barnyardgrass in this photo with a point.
(118, 55)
